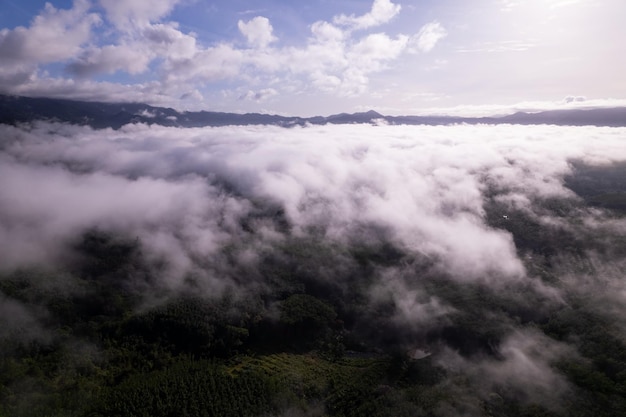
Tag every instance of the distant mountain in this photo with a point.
(366, 117)
(615, 116)
(15, 109)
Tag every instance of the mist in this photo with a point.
(209, 206)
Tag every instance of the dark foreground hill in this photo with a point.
(14, 109)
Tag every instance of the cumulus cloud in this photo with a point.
(87, 89)
(332, 60)
(210, 64)
(370, 52)
(111, 58)
(135, 51)
(54, 35)
(258, 31)
(167, 40)
(335, 59)
(325, 31)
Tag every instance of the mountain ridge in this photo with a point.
(19, 109)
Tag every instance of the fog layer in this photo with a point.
(184, 191)
(501, 209)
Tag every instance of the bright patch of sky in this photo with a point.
(320, 56)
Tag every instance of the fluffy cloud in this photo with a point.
(258, 31)
(335, 59)
(54, 35)
(332, 60)
(111, 58)
(424, 185)
(371, 52)
(214, 63)
(39, 85)
(136, 51)
(75, 202)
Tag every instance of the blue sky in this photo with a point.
(319, 56)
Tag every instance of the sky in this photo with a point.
(319, 57)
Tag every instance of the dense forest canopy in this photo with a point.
(346, 270)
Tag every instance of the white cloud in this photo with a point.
(334, 59)
(428, 36)
(111, 58)
(258, 31)
(88, 90)
(214, 63)
(186, 194)
(135, 51)
(382, 12)
(414, 308)
(423, 184)
(168, 41)
(326, 32)
(126, 14)
(369, 55)
(373, 50)
(54, 35)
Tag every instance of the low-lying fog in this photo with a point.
(449, 198)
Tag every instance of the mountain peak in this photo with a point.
(372, 113)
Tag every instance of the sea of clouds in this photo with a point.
(184, 191)
(187, 193)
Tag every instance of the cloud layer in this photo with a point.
(413, 219)
(425, 185)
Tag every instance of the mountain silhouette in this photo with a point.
(17, 109)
